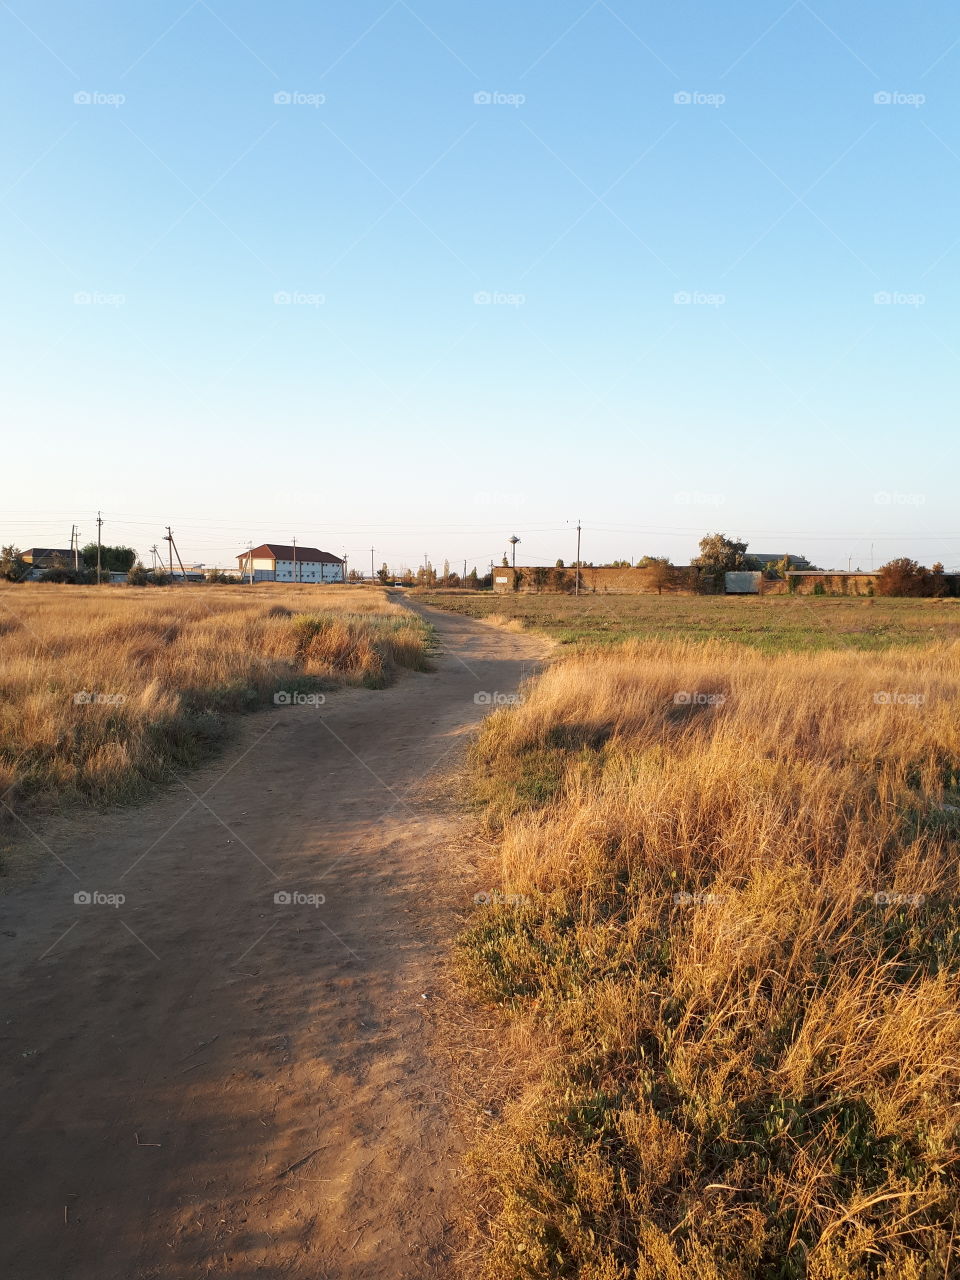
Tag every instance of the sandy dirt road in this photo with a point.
(204, 1081)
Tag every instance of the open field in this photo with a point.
(104, 690)
(770, 623)
(731, 917)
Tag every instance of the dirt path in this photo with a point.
(203, 1081)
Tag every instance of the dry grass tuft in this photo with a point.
(739, 911)
(163, 668)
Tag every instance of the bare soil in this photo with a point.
(205, 1081)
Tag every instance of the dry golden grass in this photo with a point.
(163, 666)
(741, 925)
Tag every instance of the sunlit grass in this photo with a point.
(736, 885)
(161, 668)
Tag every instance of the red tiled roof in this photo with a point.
(278, 551)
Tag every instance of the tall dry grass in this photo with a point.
(164, 667)
(741, 930)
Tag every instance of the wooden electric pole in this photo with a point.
(99, 527)
(576, 588)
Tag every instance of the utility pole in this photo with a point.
(174, 547)
(250, 563)
(153, 556)
(576, 586)
(168, 538)
(99, 527)
(372, 574)
(295, 560)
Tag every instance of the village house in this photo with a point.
(278, 562)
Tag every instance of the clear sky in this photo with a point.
(544, 261)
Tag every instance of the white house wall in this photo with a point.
(265, 570)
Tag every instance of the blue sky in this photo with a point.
(482, 270)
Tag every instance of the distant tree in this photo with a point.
(13, 567)
(721, 554)
(541, 577)
(560, 565)
(140, 576)
(354, 576)
(59, 569)
(904, 577)
(472, 580)
(383, 573)
(112, 559)
(446, 573)
(781, 567)
(505, 562)
(659, 572)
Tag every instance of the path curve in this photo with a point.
(203, 1081)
